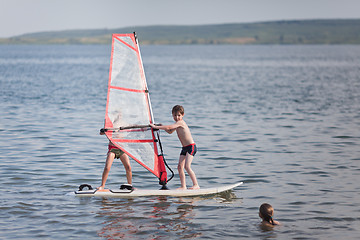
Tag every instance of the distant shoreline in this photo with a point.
(329, 31)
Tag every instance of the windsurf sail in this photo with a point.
(128, 108)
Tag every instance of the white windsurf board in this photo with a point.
(148, 192)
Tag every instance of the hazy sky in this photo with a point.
(27, 16)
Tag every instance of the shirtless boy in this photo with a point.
(188, 146)
(113, 153)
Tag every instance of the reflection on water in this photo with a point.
(156, 218)
(226, 197)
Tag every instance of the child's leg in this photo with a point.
(126, 162)
(109, 161)
(188, 161)
(181, 166)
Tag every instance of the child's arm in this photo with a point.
(168, 128)
(170, 131)
(276, 222)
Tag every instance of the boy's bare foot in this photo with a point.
(181, 188)
(100, 188)
(195, 187)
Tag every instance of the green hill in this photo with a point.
(332, 31)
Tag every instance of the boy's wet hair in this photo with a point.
(178, 108)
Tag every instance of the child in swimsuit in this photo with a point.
(188, 146)
(113, 153)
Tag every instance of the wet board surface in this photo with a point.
(148, 192)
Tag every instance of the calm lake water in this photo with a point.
(283, 119)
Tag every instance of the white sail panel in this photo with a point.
(126, 69)
(123, 111)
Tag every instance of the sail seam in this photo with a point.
(134, 141)
(126, 44)
(128, 89)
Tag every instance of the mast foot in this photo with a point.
(164, 187)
